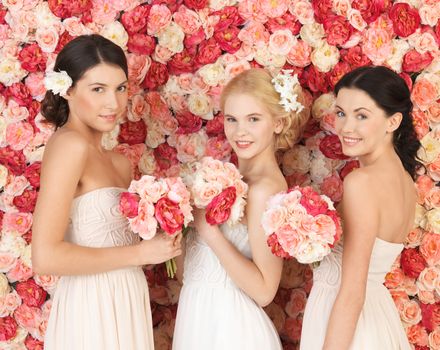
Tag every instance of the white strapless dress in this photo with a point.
(104, 311)
(379, 326)
(213, 313)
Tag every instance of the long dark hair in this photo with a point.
(78, 56)
(392, 95)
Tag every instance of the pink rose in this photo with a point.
(218, 147)
(411, 312)
(420, 121)
(414, 239)
(33, 344)
(405, 19)
(338, 30)
(182, 62)
(28, 317)
(322, 9)
(287, 21)
(297, 303)
(332, 187)
(423, 94)
(424, 185)
(159, 17)
(413, 61)
(208, 52)
(169, 216)
(35, 83)
(47, 38)
(19, 134)
(432, 199)
(430, 248)
(188, 20)
(417, 335)
(430, 316)
(19, 93)
(18, 223)
(377, 44)
(281, 42)
(219, 209)
(31, 293)
(19, 272)
(128, 204)
(144, 223)
(7, 261)
(32, 174)
(48, 282)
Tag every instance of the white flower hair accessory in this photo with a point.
(284, 83)
(58, 82)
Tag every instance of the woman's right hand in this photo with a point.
(159, 249)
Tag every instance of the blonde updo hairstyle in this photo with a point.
(257, 82)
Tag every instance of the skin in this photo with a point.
(247, 120)
(367, 211)
(75, 163)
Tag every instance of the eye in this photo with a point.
(122, 88)
(230, 119)
(98, 89)
(253, 119)
(340, 114)
(361, 116)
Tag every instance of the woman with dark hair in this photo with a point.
(349, 307)
(101, 301)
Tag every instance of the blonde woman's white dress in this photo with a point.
(379, 325)
(213, 313)
(104, 311)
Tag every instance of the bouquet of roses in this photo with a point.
(151, 203)
(217, 187)
(302, 224)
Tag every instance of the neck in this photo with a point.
(386, 154)
(252, 168)
(93, 136)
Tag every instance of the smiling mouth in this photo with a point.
(109, 117)
(243, 144)
(350, 141)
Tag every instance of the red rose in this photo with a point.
(32, 58)
(26, 201)
(219, 209)
(165, 156)
(287, 21)
(312, 201)
(405, 19)
(8, 328)
(188, 123)
(414, 61)
(191, 41)
(135, 21)
(19, 93)
(33, 344)
(32, 174)
(3, 12)
(228, 39)
(322, 9)
(407, 79)
(182, 62)
(195, 4)
(275, 247)
(31, 293)
(59, 8)
(338, 30)
(15, 161)
(141, 44)
(316, 81)
(128, 204)
(215, 125)
(430, 316)
(348, 168)
(229, 16)
(370, 9)
(132, 132)
(157, 75)
(168, 215)
(339, 70)
(355, 57)
(78, 7)
(63, 40)
(331, 147)
(312, 128)
(209, 51)
(412, 262)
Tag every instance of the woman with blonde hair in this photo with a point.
(230, 272)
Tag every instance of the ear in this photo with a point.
(279, 125)
(394, 122)
(68, 95)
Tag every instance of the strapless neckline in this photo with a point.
(97, 190)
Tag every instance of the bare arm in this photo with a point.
(63, 164)
(259, 278)
(361, 222)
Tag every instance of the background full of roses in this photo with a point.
(181, 53)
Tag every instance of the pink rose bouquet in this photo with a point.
(152, 203)
(301, 224)
(217, 187)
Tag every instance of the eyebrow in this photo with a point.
(247, 115)
(102, 84)
(356, 110)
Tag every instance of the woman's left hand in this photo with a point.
(201, 226)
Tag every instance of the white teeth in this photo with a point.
(243, 143)
(351, 140)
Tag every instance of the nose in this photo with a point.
(347, 124)
(241, 129)
(112, 102)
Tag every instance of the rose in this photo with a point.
(208, 52)
(430, 316)
(26, 201)
(411, 312)
(188, 122)
(33, 344)
(405, 19)
(424, 93)
(322, 9)
(331, 147)
(19, 272)
(182, 62)
(228, 39)
(8, 328)
(370, 9)
(316, 80)
(195, 4)
(338, 30)
(215, 126)
(276, 248)
(31, 293)
(355, 57)
(132, 132)
(332, 187)
(417, 335)
(218, 147)
(32, 174)
(312, 201)
(412, 262)
(128, 204)
(169, 216)
(287, 21)
(18, 222)
(157, 75)
(165, 156)
(413, 61)
(19, 93)
(141, 44)
(219, 209)
(337, 72)
(159, 17)
(135, 21)
(32, 58)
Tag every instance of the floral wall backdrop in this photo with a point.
(181, 53)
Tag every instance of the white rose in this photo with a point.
(399, 49)
(26, 256)
(430, 149)
(115, 32)
(13, 244)
(11, 71)
(154, 135)
(147, 163)
(172, 37)
(200, 104)
(297, 159)
(433, 220)
(110, 139)
(4, 285)
(217, 5)
(420, 219)
(45, 17)
(268, 59)
(312, 33)
(237, 211)
(325, 57)
(309, 252)
(213, 74)
(58, 82)
(34, 154)
(319, 170)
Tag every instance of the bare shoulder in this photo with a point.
(359, 180)
(68, 145)
(261, 190)
(122, 163)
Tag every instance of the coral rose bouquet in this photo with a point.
(302, 224)
(218, 187)
(152, 204)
